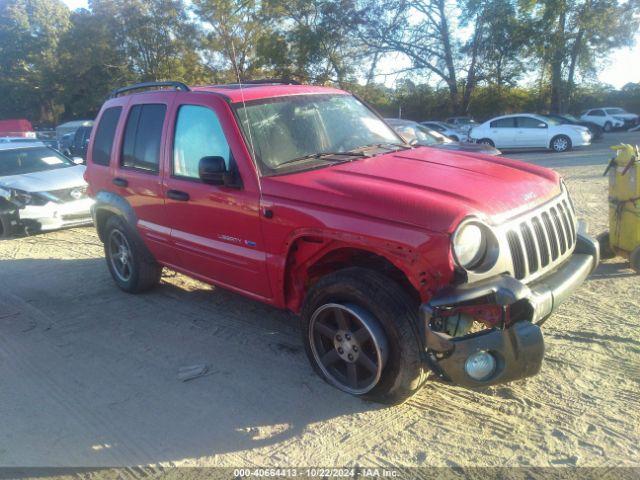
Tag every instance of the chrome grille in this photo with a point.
(70, 194)
(542, 239)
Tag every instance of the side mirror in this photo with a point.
(542, 125)
(213, 171)
(78, 160)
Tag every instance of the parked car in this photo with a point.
(17, 127)
(568, 119)
(463, 124)
(446, 129)
(398, 259)
(40, 190)
(609, 118)
(65, 143)
(530, 131)
(416, 134)
(71, 127)
(74, 145)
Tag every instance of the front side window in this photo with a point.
(21, 161)
(198, 134)
(142, 137)
(284, 129)
(615, 111)
(105, 133)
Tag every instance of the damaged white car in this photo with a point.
(40, 190)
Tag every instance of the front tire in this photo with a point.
(608, 127)
(560, 143)
(606, 252)
(130, 263)
(360, 331)
(486, 141)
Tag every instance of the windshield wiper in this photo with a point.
(394, 147)
(322, 155)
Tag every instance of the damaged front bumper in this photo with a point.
(516, 345)
(54, 216)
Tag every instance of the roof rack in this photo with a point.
(177, 85)
(271, 81)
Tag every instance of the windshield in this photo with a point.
(571, 117)
(552, 121)
(615, 111)
(29, 160)
(296, 127)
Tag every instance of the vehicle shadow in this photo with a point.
(94, 371)
(616, 268)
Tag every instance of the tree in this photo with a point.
(572, 36)
(30, 31)
(91, 64)
(156, 36)
(420, 30)
(314, 41)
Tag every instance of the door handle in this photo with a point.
(120, 182)
(178, 195)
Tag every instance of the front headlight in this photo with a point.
(469, 245)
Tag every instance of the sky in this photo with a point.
(622, 67)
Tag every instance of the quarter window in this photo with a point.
(104, 136)
(198, 134)
(142, 137)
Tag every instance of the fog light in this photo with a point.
(480, 366)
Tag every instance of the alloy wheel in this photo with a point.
(560, 144)
(349, 346)
(120, 255)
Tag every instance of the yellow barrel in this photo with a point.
(624, 200)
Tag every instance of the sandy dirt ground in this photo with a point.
(89, 375)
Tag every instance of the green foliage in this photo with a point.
(57, 65)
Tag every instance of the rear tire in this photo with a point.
(486, 141)
(560, 143)
(130, 263)
(634, 260)
(392, 342)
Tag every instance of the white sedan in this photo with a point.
(530, 131)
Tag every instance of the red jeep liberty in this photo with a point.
(400, 260)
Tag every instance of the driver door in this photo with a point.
(215, 229)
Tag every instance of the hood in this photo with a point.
(47, 180)
(425, 187)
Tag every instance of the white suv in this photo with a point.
(610, 117)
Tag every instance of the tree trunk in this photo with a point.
(556, 63)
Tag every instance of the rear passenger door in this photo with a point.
(214, 228)
(137, 174)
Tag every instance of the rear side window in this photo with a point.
(597, 113)
(142, 137)
(104, 135)
(504, 123)
(528, 122)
